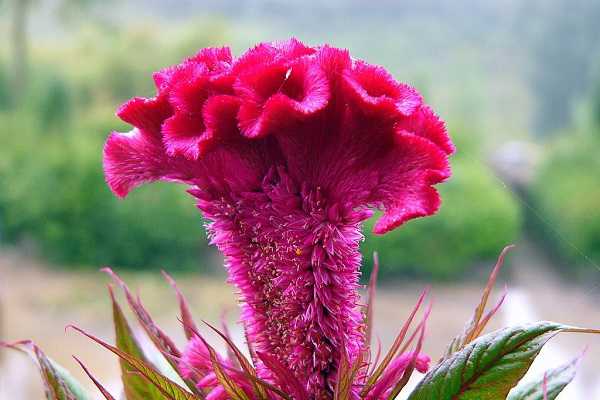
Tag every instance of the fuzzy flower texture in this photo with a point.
(287, 150)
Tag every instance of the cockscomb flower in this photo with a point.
(287, 150)
(474, 366)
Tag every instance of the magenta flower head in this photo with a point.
(287, 150)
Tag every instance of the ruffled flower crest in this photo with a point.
(287, 149)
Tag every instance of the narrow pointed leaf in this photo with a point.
(549, 386)
(371, 300)
(225, 331)
(343, 383)
(169, 389)
(135, 386)
(102, 389)
(251, 376)
(489, 315)
(489, 367)
(250, 346)
(186, 314)
(478, 321)
(268, 386)
(233, 390)
(160, 339)
(259, 391)
(413, 362)
(374, 361)
(346, 376)
(395, 347)
(284, 377)
(58, 383)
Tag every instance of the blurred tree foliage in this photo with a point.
(20, 46)
(19, 37)
(54, 104)
(567, 193)
(565, 42)
(57, 198)
(53, 191)
(5, 91)
(595, 103)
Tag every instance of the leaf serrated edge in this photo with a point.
(101, 388)
(160, 339)
(166, 386)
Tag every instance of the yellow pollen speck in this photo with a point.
(298, 251)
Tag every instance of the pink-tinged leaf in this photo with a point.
(186, 314)
(250, 345)
(413, 362)
(233, 390)
(246, 366)
(58, 383)
(347, 373)
(284, 377)
(487, 291)
(395, 346)
(17, 346)
(250, 376)
(371, 300)
(101, 388)
(135, 387)
(344, 380)
(169, 389)
(267, 386)
(231, 356)
(490, 314)
(373, 363)
(478, 321)
(160, 339)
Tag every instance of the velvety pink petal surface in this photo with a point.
(287, 149)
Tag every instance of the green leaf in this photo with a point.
(489, 367)
(234, 391)
(102, 389)
(58, 383)
(259, 390)
(160, 339)
(169, 389)
(135, 386)
(552, 382)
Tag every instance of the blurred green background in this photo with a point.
(518, 82)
